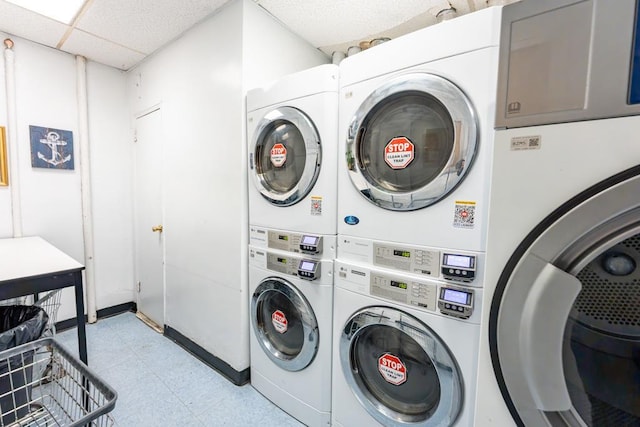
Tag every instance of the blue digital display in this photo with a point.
(634, 85)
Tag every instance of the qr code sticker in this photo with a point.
(316, 205)
(464, 216)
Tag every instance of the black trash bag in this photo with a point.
(19, 324)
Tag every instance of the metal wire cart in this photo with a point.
(67, 393)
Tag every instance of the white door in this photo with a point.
(148, 216)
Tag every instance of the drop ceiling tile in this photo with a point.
(330, 22)
(102, 51)
(31, 26)
(144, 25)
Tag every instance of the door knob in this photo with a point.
(157, 228)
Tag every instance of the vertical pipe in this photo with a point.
(85, 184)
(12, 138)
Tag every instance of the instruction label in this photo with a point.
(279, 321)
(392, 369)
(399, 152)
(278, 155)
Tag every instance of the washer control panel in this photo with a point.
(295, 242)
(456, 301)
(458, 267)
(403, 290)
(406, 258)
(308, 269)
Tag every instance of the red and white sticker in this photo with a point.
(392, 369)
(278, 155)
(279, 321)
(399, 152)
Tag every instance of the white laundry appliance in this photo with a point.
(291, 299)
(416, 135)
(405, 349)
(292, 137)
(560, 339)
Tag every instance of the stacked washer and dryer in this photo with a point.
(416, 140)
(292, 136)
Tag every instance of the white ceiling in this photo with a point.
(121, 33)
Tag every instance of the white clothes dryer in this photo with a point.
(416, 135)
(561, 318)
(398, 359)
(291, 301)
(292, 137)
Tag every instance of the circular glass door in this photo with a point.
(284, 324)
(601, 352)
(287, 154)
(399, 369)
(411, 142)
(565, 317)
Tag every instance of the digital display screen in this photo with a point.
(453, 295)
(463, 261)
(283, 237)
(405, 254)
(309, 240)
(398, 284)
(282, 260)
(307, 265)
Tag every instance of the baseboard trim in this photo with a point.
(236, 377)
(102, 313)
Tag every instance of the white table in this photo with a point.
(29, 265)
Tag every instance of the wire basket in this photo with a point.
(50, 303)
(68, 395)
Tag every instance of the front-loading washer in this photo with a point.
(405, 349)
(561, 318)
(291, 299)
(292, 148)
(416, 133)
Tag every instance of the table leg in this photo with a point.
(82, 333)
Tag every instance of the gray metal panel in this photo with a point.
(564, 60)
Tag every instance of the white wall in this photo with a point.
(51, 199)
(6, 224)
(199, 81)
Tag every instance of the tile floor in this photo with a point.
(161, 384)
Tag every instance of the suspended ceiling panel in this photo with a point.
(121, 33)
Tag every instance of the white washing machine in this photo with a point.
(291, 299)
(292, 137)
(416, 135)
(561, 318)
(398, 359)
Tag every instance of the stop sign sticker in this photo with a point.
(278, 155)
(279, 321)
(399, 152)
(392, 369)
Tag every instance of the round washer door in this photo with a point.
(284, 324)
(411, 142)
(399, 369)
(287, 153)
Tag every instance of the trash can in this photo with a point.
(19, 324)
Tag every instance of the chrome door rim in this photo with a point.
(310, 325)
(313, 160)
(449, 406)
(466, 139)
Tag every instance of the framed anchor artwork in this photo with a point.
(51, 148)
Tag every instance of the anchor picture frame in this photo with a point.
(51, 148)
(4, 170)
